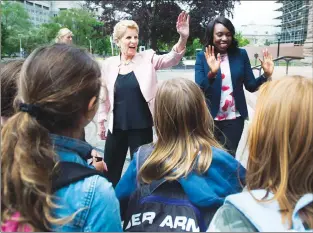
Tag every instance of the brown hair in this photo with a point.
(59, 80)
(281, 144)
(184, 127)
(10, 72)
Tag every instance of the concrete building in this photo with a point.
(259, 35)
(294, 21)
(308, 44)
(41, 11)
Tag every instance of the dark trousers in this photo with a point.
(228, 133)
(116, 147)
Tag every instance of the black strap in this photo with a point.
(143, 153)
(66, 173)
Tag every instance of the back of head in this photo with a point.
(184, 126)
(281, 142)
(57, 81)
(9, 75)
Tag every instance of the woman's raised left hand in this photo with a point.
(182, 25)
(267, 64)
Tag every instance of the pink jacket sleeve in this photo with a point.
(167, 60)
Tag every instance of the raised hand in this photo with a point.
(267, 64)
(182, 24)
(213, 63)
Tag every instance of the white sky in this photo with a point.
(255, 12)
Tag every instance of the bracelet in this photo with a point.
(266, 77)
(211, 75)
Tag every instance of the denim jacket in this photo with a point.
(93, 198)
(224, 177)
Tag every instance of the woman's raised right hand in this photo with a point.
(102, 131)
(213, 63)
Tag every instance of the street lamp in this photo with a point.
(20, 36)
(111, 41)
(89, 44)
(256, 55)
(278, 43)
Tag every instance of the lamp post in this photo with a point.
(89, 44)
(20, 36)
(256, 55)
(278, 44)
(111, 41)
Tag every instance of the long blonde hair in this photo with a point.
(281, 143)
(184, 128)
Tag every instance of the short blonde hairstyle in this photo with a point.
(121, 27)
(62, 32)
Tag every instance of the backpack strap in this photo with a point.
(143, 153)
(66, 173)
(302, 202)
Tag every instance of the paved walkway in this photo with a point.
(242, 153)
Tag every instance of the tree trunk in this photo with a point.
(153, 39)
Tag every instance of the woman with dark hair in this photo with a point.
(221, 71)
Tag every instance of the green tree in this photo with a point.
(241, 40)
(4, 35)
(157, 18)
(191, 49)
(17, 23)
(267, 42)
(82, 23)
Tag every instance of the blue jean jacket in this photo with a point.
(93, 198)
(225, 176)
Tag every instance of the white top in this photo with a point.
(227, 110)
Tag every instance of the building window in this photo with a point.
(45, 7)
(29, 3)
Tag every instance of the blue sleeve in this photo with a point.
(200, 77)
(104, 213)
(128, 183)
(251, 83)
(225, 176)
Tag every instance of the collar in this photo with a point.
(83, 149)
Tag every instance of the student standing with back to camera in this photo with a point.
(58, 94)
(221, 72)
(186, 154)
(131, 84)
(279, 193)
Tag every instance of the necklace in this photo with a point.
(126, 63)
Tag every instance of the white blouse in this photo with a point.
(227, 110)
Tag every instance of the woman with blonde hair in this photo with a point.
(131, 84)
(279, 172)
(64, 36)
(185, 150)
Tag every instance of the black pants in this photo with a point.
(228, 133)
(116, 147)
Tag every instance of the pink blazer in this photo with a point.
(146, 64)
